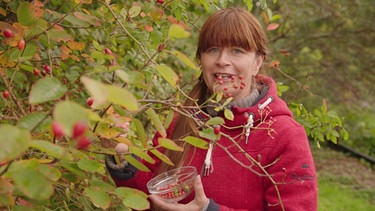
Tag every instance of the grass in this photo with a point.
(345, 183)
(334, 197)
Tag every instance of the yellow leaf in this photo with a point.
(177, 31)
(45, 161)
(76, 45)
(3, 12)
(168, 74)
(185, 60)
(124, 140)
(65, 52)
(169, 144)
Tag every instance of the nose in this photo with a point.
(223, 59)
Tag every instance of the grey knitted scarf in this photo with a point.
(248, 101)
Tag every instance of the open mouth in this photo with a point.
(221, 76)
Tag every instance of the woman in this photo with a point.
(262, 160)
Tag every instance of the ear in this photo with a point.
(259, 63)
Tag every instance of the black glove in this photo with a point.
(123, 171)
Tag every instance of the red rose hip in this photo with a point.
(108, 51)
(57, 129)
(7, 33)
(90, 101)
(6, 94)
(217, 129)
(47, 68)
(83, 143)
(79, 129)
(21, 44)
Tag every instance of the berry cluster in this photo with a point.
(176, 190)
(241, 85)
(79, 130)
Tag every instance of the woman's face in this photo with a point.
(230, 70)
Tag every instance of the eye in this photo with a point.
(237, 51)
(213, 50)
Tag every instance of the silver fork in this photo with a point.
(208, 167)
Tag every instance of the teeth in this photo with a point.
(223, 75)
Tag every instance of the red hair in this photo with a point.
(232, 27)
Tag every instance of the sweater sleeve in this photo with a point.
(292, 169)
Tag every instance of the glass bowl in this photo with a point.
(173, 185)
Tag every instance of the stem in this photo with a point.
(127, 32)
(56, 22)
(13, 96)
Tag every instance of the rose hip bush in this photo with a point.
(73, 73)
(78, 77)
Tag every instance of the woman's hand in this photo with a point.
(200, 200)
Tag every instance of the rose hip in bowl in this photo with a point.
(173, 185)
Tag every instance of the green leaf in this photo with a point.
(121, 96)
(134, 11)
(102, 93)
(51, 149)
(38, 27)
(98, 197)
(228, 114)
(215, 121)
(50, 172)
(142, 154)
(249, 4)
(169, 144)
(29, 51)
(219, 96)
(33, 120)
(6, 193)
(185, 60)
(93, 116)
(102, 185)
(75, 21)
(344, 133)
(162, 157)
(92, 166)
(136, 163)
(68, 113)
(156, 121)
(133, 198)
(60, 35)
(197, 142)
(122, 75)
(92, 20)
(169, 119)
(177, 31)
(46, 89)
(13, 142)
(97, 90)
(25, 13)
(168, 74)
(73, 168)
(333, 139)
(208, 133)
(29, 180)
(275, 17)
(140, 131)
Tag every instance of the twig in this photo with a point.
(127, 32)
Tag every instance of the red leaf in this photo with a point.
(272, 26)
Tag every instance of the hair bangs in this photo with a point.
(229, 28)
(227, 33)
